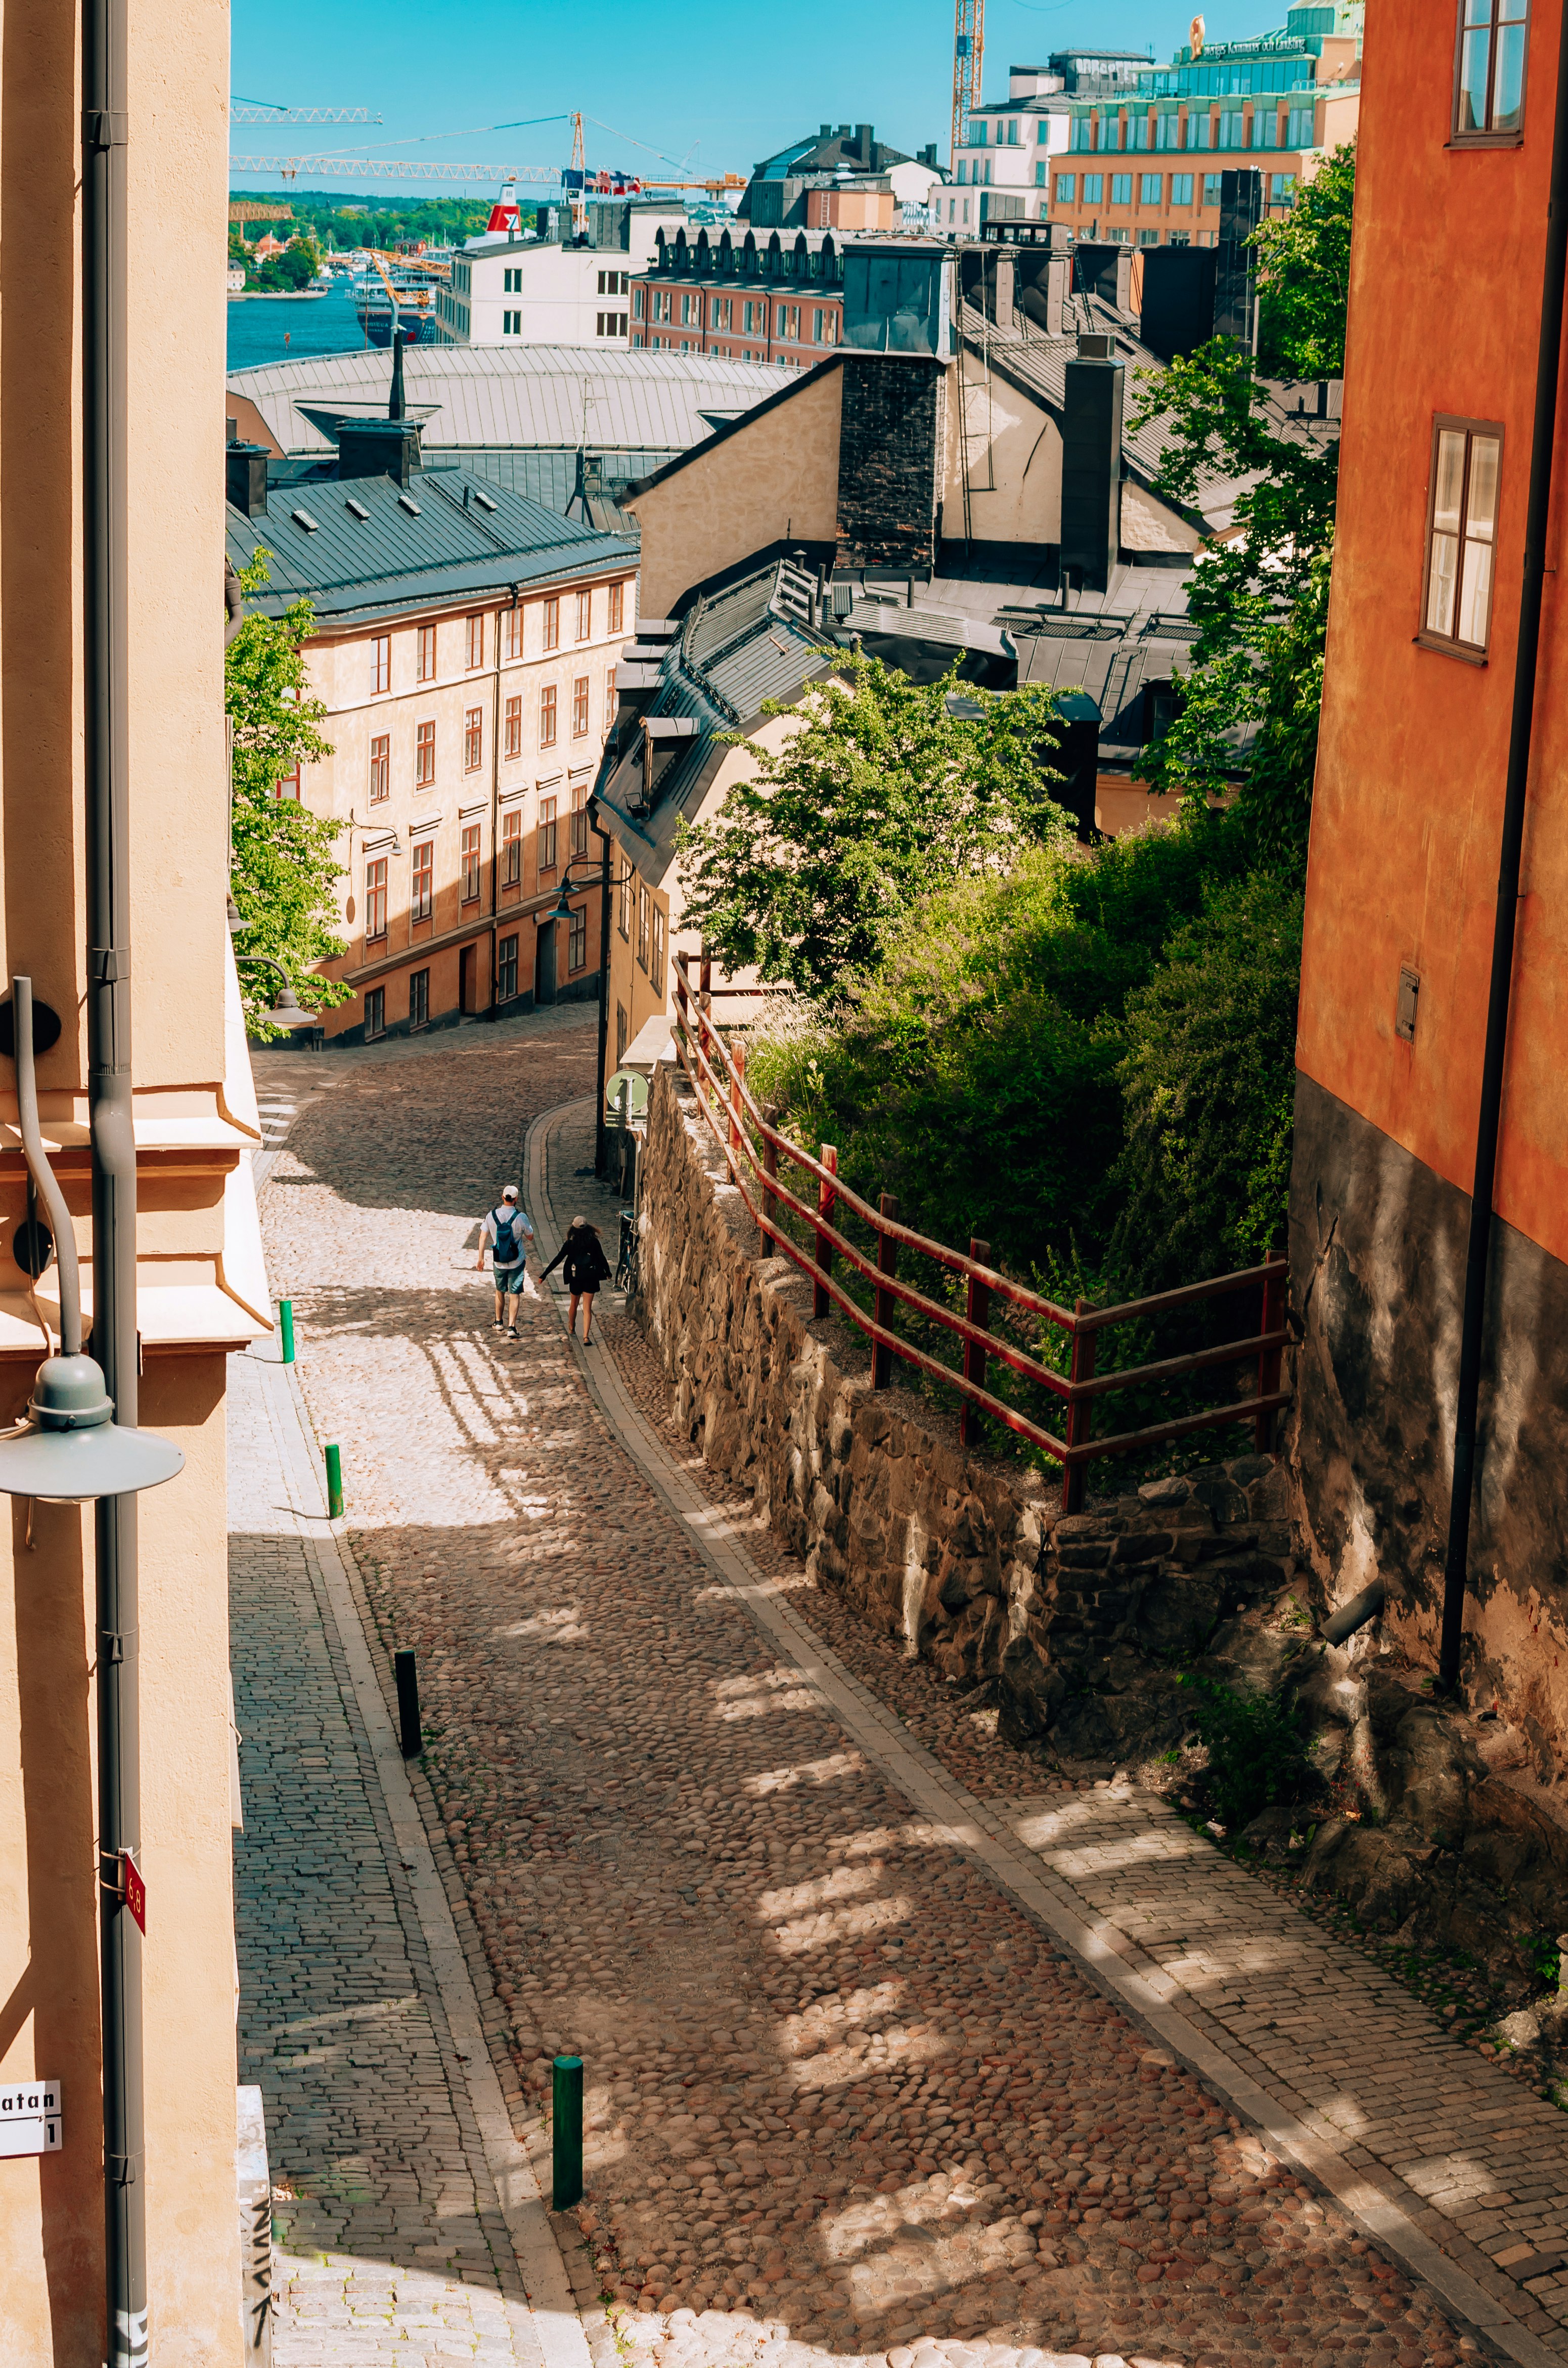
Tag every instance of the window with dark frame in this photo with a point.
(514, 632)
(380, 644)
(473, 642)
(512, 847)
(617, 608)
(381, 768)
(584, 616)
(628, 890)
(657, 968)
(471, 866)
(513, 720)
(473, 739)
(547, 716)
(375, 1012)
(643, 903)
(425, 756)
(551, 624)
(547, 834)
(375, 899)
(580, 707)
(423, 880)
(418, 999)
(1461, 527)
(506, 969)
(1489, 75)
(579, 819)
(426, 652)
(577, 939)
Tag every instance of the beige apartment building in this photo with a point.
(466, 654)
(113, 804)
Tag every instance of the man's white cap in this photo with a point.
(510, 1193)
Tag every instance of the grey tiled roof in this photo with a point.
(448, 547)
(737, 648)
(612, 398)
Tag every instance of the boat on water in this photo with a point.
(416, 308)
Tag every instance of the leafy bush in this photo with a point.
(1256, 1754)
(1208, 1078)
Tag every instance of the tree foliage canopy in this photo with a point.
(282, 863)
(878, 795)
(1260, 598)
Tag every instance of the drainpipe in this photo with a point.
(105, 277)
(1548, 362)
(601, 1147)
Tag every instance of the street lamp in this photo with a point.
(286, 1011)
(70, 1448)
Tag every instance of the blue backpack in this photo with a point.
(508, 1238)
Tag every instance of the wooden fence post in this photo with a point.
(736, 1081)
(977, 1307)
(770, 1175)
(1269, 1359)
(886, 1263)
(826, 1202)
(1080, 1415)
(705, 1006)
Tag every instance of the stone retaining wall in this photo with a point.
(1077, 1619)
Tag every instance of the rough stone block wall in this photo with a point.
(890, 461)
(1077, 1619)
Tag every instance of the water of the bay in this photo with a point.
(285, 328)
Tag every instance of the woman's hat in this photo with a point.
(576, 1222)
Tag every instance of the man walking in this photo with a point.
(507, 1232)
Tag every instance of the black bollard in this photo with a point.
(409, 1733)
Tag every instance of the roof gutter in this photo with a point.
(1510, 858)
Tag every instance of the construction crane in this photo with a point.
(715, 188)
(396, 169)
(261, 110)
(969, 52)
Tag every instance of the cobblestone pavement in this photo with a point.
(847, 2097)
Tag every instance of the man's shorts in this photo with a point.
(509, 1279)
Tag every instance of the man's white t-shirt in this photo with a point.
(521, 1228)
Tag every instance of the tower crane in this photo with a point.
(969, 52)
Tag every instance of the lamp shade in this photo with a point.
(72, 1449)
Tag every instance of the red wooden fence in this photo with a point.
(717, 1074)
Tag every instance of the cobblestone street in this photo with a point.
(850, 2095)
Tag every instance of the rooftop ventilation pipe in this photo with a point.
(1526, 655)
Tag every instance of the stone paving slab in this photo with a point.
(847, 2099)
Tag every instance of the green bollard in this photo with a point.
(286, 1323)
(566, 2134)
(333, 1484)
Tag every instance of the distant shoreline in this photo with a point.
(278, 295)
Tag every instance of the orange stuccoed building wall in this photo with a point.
(1453, 174)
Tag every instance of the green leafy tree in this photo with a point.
(283, 868)
(1208, 1077)
(1304, 275)
(1249, 704)
(879, 797)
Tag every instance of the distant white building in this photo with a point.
(533, 291)
(1002, 172)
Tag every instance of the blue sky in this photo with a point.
(722, 84)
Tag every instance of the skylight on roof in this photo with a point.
(482, 499)
(358, 508)
(303, 518)
(406, 502)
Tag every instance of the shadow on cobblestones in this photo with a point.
(840, 2087)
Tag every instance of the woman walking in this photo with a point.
(584, 1267)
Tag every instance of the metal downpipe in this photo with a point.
(1488, 1126)
(105, 282)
